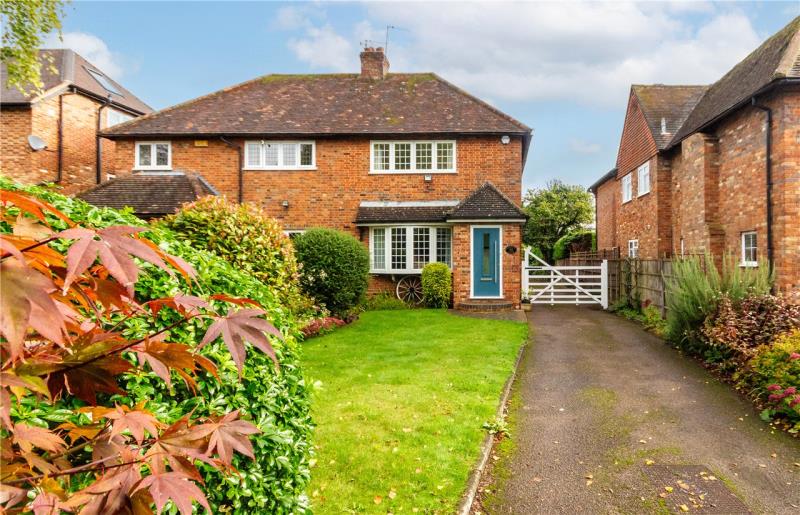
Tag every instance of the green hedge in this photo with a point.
(583, 238)
(437, 285)
(278, 402)
(335, 268)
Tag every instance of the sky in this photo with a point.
(562, 68)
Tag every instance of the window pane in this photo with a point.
(145, 155)
(381, 156)
(750, 247)
(399, 248)
(270, 154)
(162, 154)
(254, 154)
(444, 156)
(379, 249)
(424, 156)
(306, 154)
(443, 245)
(402, 156)
(422, 246)
(485, 268)
(289, 154)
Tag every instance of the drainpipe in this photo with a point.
(768, 169)
(60, 167)
(98, 144)
(240, 194)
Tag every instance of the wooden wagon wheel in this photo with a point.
(409, 289)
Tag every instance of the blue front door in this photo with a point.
(485, 262)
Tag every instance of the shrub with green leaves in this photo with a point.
(384, 301)
(277, 401)
(335, 268)
(773, 375)
(578, 240)
(248, 238)
(696, 288)
(437, 285)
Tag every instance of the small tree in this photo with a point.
(555, 211)
(25, 23)
(66, 297)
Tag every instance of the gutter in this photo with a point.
(240, 193)
(768, 169)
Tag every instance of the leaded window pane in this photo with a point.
(402, 156)
(422, 246)
(254, 154)
(399, 248)
(289, 154)
(424, 156)
(381, 156)
(270, 154)
(162, 154)
(443, 245)
(145, 155)
(306, 154)
(444, 156)
(379, 249)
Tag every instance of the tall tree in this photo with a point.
(25, 24)
(555, 211)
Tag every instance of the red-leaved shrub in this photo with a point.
(321, 326)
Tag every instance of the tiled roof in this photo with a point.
(777, 58)
(149, 194)
(487, 203)
(670, 104)
(405, 214)
(333, 104)
(72, 70)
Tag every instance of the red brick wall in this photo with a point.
(641, 218)
(79, 131)
(329, 196)
(607, 200)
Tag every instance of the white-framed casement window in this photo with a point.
(114, 117)
(633, 248)
(408, 248)
(280, 155)
(749, 248)
(627, 188)
(412, 157)
(643, 179)
(153, 155)
(293, 233)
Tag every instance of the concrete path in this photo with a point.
(606, 417)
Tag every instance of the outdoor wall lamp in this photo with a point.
(285, 204)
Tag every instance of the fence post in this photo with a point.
(525, 276)
(604, 284)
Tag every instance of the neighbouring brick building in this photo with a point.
(712, 168)
(63, 118)
(413, 166)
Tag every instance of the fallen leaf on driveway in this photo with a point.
(683, 507)
(648, 462)
(668, 489)
(589, 482)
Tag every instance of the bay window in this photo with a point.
(407, 249)
(279, 155)
(413, 157)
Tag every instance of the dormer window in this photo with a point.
(413, 157)
(279, 155)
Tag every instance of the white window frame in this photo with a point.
(280, 166)
(643, 179)
(633, 249)
(409, 230)
(152, 144)
(413, 169)
(745, 261)
(627, 188)
(110, 112)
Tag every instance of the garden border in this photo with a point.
(474, 481)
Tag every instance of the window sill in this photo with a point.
(627, 201)
(748, 264)
(152, 169)
(642, 194)
(304, 169)
(413, 172)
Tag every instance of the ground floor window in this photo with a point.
(409, 248)
(633, 248)
(749, 248)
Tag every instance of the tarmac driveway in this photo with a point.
(609, 419)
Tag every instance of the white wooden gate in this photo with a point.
(548, 284)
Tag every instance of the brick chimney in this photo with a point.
(374, 64)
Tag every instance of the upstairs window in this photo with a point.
(643, 179)
(279, 155)
(749, 248)
(114, 117)
(413, 157)
(153, 155)
(627, 188)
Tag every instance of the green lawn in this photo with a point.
(399, 410)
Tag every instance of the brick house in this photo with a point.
(77, 99)
(712, 168)
(413, 166)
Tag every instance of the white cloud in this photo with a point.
(93, 49)
(588, 52)
(580, 146)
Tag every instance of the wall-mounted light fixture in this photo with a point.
(505, 139)
(285, 204)
(428, 178)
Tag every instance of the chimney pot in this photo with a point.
(374, 64)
